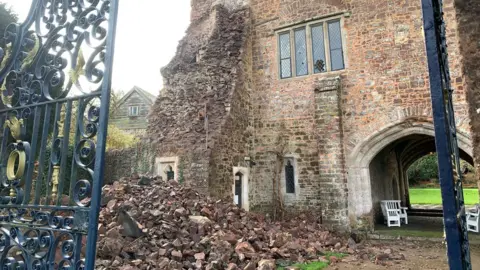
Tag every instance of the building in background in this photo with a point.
(130, 114)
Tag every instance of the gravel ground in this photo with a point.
(421, 256)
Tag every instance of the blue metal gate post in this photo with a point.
(445, 136)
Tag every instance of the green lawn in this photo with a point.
(309, 266)
(433, 196)
(312, 265)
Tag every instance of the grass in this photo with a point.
(314, 265)
(309, 266)
(334, 254)
(433, 196)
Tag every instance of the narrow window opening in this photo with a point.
(318, 49)
(336, 46)
(238, 188)
(289, 177)
(285, 55)
(301, 64)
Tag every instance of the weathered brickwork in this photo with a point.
(338, 126)
(331, 184)
(384, 178)
(120, 163)
(469, 32)
(231, 145)
(202, 115)
(201, 8)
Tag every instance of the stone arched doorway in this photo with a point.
(240, 187)
(380, 161)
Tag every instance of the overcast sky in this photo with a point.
(147, 37)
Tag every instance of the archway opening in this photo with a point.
(389, 174)
(378, 162)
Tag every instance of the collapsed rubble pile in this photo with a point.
(147, 223)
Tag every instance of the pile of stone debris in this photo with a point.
(147, 223)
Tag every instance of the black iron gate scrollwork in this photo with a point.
(450, 173)
(55, 74)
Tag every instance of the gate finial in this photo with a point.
(15, 127)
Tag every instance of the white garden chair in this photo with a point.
(391, 213)
(473, 222)
(403, 212)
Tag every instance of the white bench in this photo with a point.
(473, 222)
(391, 213)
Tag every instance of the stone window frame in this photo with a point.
(130, 110)
(308, 26)
(293, 158)
(245, 171)
(160, 162)
(289, 163)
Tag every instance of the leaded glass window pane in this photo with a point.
(286, 68)
(318, 49)
(336, 46)
(301, 52)
(285, 56)
(290, 177)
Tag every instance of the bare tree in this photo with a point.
(115, 97)
(279, 154)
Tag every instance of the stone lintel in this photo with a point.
(327, 84)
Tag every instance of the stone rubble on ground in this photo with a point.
(153, 224)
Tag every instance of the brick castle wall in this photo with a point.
(469, 33)
(226, 68)
(385, 82)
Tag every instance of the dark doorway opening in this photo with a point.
(238, 188)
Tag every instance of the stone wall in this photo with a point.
(202, 8)
(469, 31)
(124, 162)
(331, 186)
(202, 114)
(384, 176)
(231, 145)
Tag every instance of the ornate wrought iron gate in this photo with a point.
(55, 88)
(445, 136)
